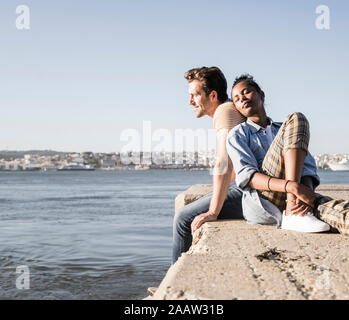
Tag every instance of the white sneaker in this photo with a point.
(306, 223)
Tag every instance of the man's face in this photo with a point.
(198, 99)
(246, 99)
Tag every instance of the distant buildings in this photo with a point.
(323, 160)
(128, 161)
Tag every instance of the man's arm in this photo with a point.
(222, 175)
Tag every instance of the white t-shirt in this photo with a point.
(227, 116)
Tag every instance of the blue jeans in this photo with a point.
(182, 238)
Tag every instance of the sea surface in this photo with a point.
(92, 234)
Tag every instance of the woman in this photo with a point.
(273, 166)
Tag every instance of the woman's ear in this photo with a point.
(262, 95)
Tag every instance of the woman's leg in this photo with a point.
(286, 155)
(335, 212)
(294, 161)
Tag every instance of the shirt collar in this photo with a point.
(256, 127)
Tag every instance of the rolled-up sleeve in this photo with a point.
(244, 162)
(309, 169)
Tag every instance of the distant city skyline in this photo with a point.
(49, 160)
(86, 72)
(117, 151)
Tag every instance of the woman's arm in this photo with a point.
(260, 181)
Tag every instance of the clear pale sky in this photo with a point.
(87, 70)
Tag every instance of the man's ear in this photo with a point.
(213, 95)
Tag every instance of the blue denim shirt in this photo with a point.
(247, 146)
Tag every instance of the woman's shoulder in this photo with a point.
(240, 130)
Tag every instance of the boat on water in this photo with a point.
(342, 165)
(140, 167)
(75, 167)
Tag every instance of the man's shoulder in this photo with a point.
(224, 109)
(226, 116)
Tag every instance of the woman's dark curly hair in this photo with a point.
(248, 79)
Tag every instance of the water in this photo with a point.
(92, 235)
(88, 235)
(334, 177)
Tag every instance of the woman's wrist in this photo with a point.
(291, 187)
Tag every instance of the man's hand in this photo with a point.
(202, 218)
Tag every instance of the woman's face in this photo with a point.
(247, 100)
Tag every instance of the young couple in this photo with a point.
(274, 172)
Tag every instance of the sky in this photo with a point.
(87, 73)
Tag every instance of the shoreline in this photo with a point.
(150, 169)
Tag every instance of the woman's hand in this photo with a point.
(298, 207)
(303, 194)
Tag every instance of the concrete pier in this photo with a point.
(230, 259)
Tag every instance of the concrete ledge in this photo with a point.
(230, 259)
(190, 195)
(197, 191)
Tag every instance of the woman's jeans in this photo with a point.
(182, 238)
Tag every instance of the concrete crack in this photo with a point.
(282, 261)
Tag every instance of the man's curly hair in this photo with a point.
(211, 79)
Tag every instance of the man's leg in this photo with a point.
(181, 225)
(182, 237)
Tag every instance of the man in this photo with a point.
(208, 96)
(275, 170)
